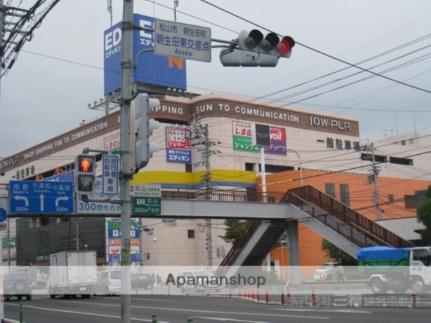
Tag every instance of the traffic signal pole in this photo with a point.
(126, 157)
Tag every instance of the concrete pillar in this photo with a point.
(293, 244)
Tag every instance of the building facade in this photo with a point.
(224, 158)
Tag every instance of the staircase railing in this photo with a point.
(351, 224)
(237, 247)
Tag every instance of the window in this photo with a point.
(329, 143)
(391, 198)
(347, 144)
(339, 143)
(422, 255)
(190, 234)
(377, 158)
(221, 252)
(277, 168)
(189, 168)
(249, 167)
(345, 194)
(330, 189)
(401, 161)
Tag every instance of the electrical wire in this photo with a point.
(321, 52)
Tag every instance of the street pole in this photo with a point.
(77, 234)
(207, 187)
(263, 173)
(376, 195)
(301, 172)
(126, 158)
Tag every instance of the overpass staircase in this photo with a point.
(333, 220)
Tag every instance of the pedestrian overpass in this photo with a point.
(279, 213)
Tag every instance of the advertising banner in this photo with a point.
(243, 133)
(150, 68)
(243, 136)
(178, 147)
(277, 141)
(113, 241)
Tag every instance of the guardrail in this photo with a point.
(318, 201)
(222, 195)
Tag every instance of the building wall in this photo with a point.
(307, 146)
(361, 200)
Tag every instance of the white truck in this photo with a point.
(72, 273)
(396, 269)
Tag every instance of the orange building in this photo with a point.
(354, 190)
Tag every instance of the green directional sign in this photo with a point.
(146, 206)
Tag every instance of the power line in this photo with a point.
(348, 67)
(414, 60)
(321, 52)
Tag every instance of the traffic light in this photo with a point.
(85, 174)
(253, 49)
(143, 127)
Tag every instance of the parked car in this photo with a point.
(141, 280)
(325, 272)
(17, 284)
(202, 280)
(109, 282)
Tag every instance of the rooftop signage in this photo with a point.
(176, 110)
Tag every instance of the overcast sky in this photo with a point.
(42, 97)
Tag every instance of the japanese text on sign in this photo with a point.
(182, 40)
(110, 174)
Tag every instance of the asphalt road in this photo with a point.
(200, 309)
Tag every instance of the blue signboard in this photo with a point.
(150, 68)
(178, 156)
(40, 197)
(110, 183)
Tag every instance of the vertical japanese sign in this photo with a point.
(178, 147)
(113, 241)
(111, 165)
(243, 133)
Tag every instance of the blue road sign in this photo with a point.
(40, 197)
(3, 215)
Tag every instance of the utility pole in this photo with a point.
(77, 234)
(176, 3)
(201, 133)
(126, 158)
(374, 173)
(207, 179)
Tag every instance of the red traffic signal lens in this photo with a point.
(85, 164)
(284, 47)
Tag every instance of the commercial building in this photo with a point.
(231, 158)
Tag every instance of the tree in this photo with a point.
(236, 230)
(336, 254)
(423, 213)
